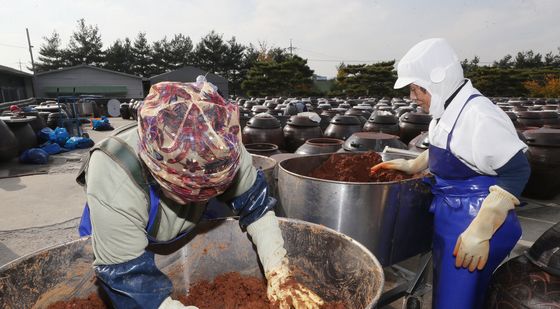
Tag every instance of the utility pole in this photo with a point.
(291, 48)
(32, 63)
(19, 62)
(30, 51)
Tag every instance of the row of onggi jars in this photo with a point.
(283, 125)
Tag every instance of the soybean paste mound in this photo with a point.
(353, 167)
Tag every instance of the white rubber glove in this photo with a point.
(282, 289)
(412, 166)
(473, 245)
(169, 303)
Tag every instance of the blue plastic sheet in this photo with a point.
(34, 156)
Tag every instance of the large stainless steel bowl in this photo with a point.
(391, 219)
(336, 267)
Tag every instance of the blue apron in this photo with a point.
(85, 227)
(458, 195)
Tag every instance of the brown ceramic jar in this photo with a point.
(8, 143)
(544, 157)
(299, 129)
(319, 146)
(371, 141)
(263, 128)
(413, 123)
(342, 126)
(382, 122)
(263, 149)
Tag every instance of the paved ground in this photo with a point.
(41, 206)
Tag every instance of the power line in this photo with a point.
(14, 46)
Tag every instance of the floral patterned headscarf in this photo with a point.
(189, 139)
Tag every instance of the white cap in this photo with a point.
(433, 65)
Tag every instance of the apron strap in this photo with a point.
(456, 119)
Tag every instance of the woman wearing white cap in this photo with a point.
(477, 159)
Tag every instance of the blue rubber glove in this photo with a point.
(137, 283)
(253, 204)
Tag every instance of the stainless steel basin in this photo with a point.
(391, 219)
(336, 267)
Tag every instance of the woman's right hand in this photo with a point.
(413, 166)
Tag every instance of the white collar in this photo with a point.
(454, 108)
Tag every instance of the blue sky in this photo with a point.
(325, 32)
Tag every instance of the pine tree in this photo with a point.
(161, 57)
(119, 56)
(142, 54)
(180, 51)
(210, 53)
(50, 54)
(234, 65)
(85, 46)
(291, 77)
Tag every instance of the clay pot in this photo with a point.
(8, 143)
(319, 146)
(263, 149)
(371, 141)
(342, 126)
(363, 115)
(257, 109)
(382, 122)
(263, 128)
(403, 110)
(529, 119)
(37, 123)
(531, 280)
(550, 118)
(298, 130)
(413, 123)
(544, 158)
(125, 110)
(24, 134)
(420, 143)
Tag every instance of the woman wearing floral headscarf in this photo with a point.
(151, 182)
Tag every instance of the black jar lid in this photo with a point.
(545, 252)
(548, 114)
(345, 120)
(511, 115)
(263, 121)
(302, 121)
(423, 141)
(528, 115)
(415, 117)
(542, 137)
(372, 141)
(383, 118)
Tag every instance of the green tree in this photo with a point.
(233, 65)
(161, 57)
(119, 56)
(366, 79)
(551, 60)
(180, 51)
(528, 59)
(142, 54)
(51, 56)
(210, 53)
(504, 63)
(291, 77)
(85, 46)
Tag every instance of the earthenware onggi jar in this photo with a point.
(413, 123)
(263, 128)
(299, 129)
(342, 126)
